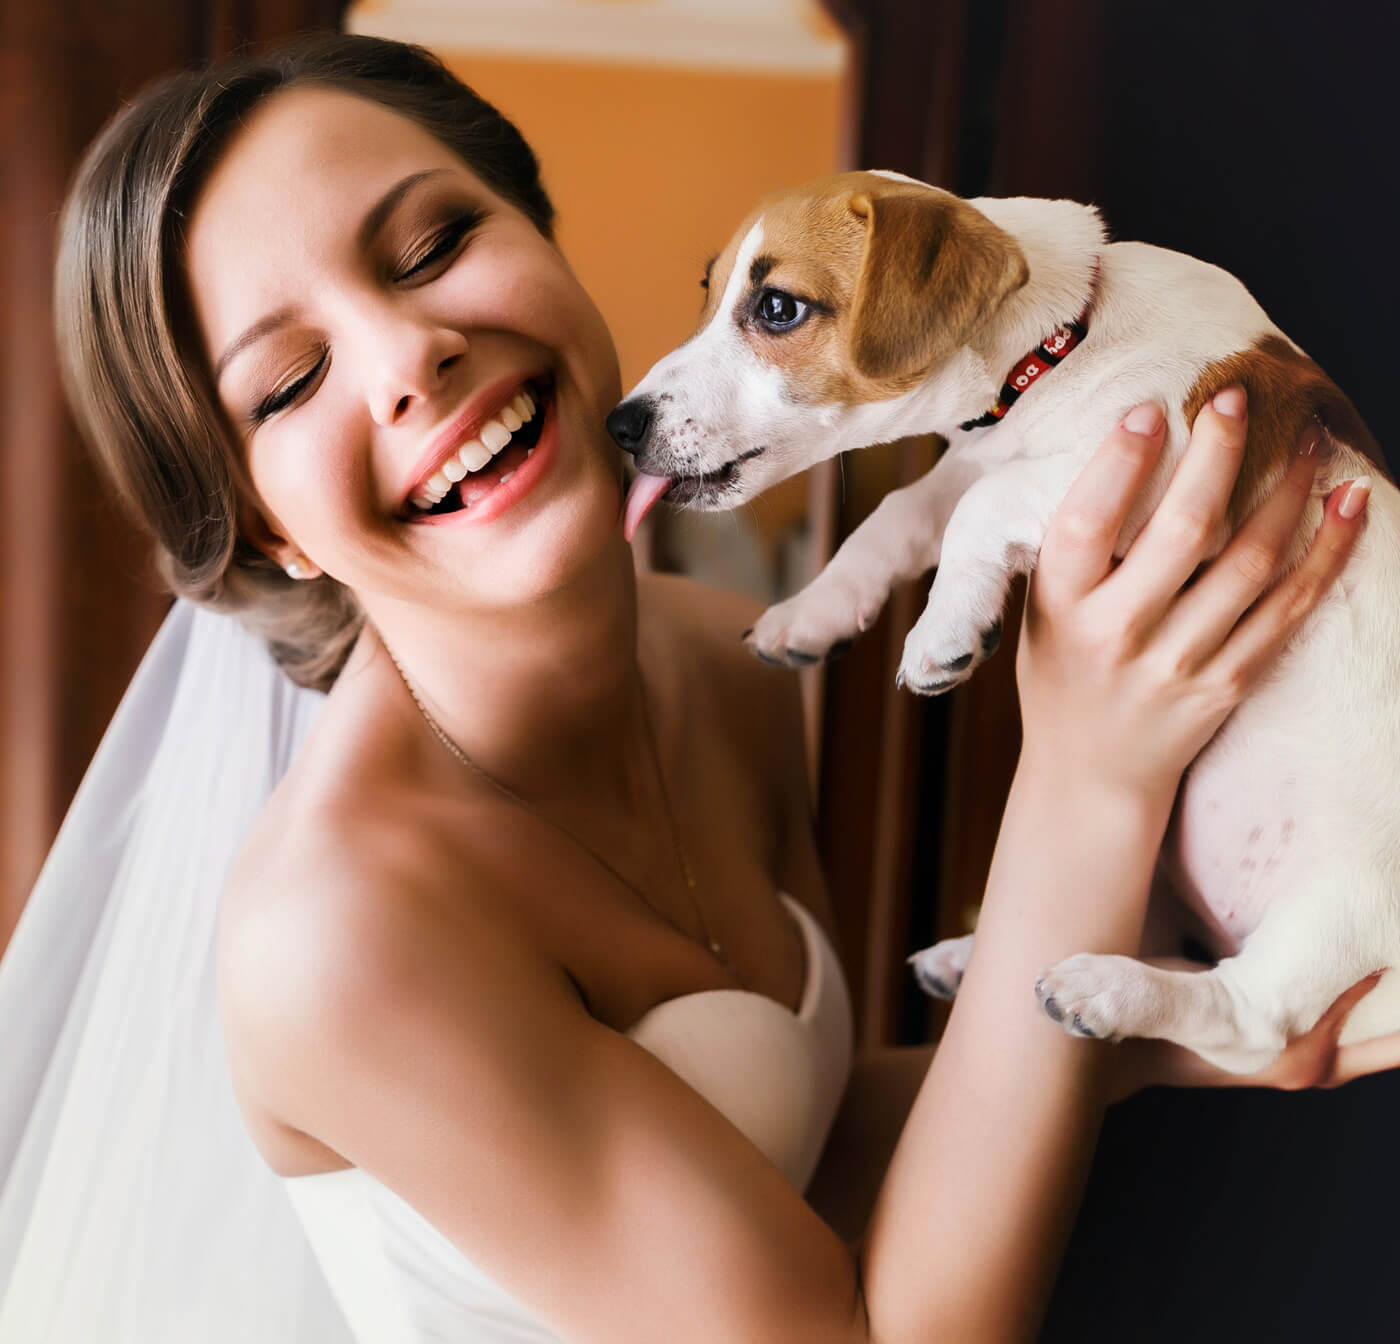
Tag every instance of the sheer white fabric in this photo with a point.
(133, 1207)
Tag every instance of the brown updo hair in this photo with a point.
(131, 359)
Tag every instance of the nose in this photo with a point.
(630, 424)
(412, 363)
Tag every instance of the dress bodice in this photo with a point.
(778, 1075)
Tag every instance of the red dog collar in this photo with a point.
(1040, 360)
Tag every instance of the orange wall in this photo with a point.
(651, 169)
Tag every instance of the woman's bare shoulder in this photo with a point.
(333, 911)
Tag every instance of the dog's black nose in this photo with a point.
(630, 423)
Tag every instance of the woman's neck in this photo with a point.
(545, 697)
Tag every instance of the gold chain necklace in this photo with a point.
(504, 789)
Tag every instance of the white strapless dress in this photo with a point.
(777, 1075)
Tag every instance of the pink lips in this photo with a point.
(641, 495)
(504, 497)
(459, 430)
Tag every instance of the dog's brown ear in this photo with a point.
(933, 269)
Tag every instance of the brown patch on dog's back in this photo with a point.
(1286, 392)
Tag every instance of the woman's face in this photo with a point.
(371, 310)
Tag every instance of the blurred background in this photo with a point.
(1256, 135)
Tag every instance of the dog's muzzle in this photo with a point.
(630, 424)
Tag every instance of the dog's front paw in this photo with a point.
(1102, 997)
(939, 969)
(937, 660)
(819, 622)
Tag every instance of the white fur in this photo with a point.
(1287, 838)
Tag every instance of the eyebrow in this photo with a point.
(374, 220)
(369, 227)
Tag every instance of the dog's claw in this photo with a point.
(769, 659)
(927, 687)
(1077, 1024)
(802, 659)
(1047, 1001)
(933, 986)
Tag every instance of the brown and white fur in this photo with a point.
(1285, 841)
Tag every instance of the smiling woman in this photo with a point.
(132, 196)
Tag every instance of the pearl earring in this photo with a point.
(298, 568)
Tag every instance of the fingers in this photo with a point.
(1264, 631)
(1203, 617)
(1189, 522)
(1078, 547)
(1332, 1020)
(1310, 1060)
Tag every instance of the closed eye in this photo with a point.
(442, 245)
(288, 393)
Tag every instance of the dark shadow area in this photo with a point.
(1238, 1216)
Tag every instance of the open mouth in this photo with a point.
(501, 446)
(645, 490)
(687, 489)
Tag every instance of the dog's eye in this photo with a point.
(779, 311)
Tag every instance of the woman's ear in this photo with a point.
(265, 534)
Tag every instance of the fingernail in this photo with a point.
(1308, 441)
(1230, 401)
(1358, 492)
(1145, 419)
(747, 633)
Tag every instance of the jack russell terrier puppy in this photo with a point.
(866, 307)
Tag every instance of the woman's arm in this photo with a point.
(993, 1157)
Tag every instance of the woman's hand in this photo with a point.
(1127, 669)
(1314, 1059)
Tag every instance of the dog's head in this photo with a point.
(837, 295)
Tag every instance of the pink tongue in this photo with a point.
(643, 493)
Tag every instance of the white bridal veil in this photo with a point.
(133, 1207)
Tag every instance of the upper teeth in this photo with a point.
(477, 452)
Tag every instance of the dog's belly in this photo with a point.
(1262, 803)
(1234, 839)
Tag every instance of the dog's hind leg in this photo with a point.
(1239, 1015)
(939, 969)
